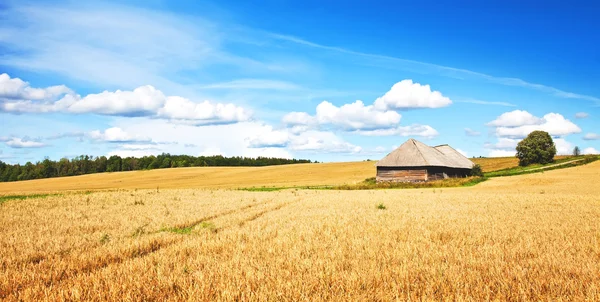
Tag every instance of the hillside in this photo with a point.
(223, 177)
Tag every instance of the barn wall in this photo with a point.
(401, 174)
(415, 174)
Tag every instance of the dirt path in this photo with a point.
(555, 165)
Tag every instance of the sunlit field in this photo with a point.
(529, 237)
(224, 177)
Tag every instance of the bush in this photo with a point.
(537, 148)
(476, 170)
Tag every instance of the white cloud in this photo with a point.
(134, 152)
(142, 101)
(268, 152)
(590, 150)
(19, 143)
(182, 109)
(322, 142)
(216, 139)
(553, 123)
(379, 119)
(428, 68)
(563, 147)
(211, 151)
(298, 118)
(355, 116)
(269, 138)
(17, 89)
(591, 137)
(139, 147)
(471, 132)
(503, 143)
(407, 95)
(581, 115)
(308, 141)
(515, 118)
(116, 135)
(502, 153)
(465, 154)
(522, 123)
(412, 130)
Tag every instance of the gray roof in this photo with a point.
(414, 153)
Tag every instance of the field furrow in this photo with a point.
(529, 237)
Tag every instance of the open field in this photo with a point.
(528, 237)
(224, 177)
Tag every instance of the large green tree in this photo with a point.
(537, 148)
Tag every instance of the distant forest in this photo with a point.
(85, 164)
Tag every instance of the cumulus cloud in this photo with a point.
(408, 95)
(139, 147)
(590, 150)
(231, 139)
(308, 141)
(591, 137)
(271, 138)
(182, 109)
(581, 115)
(212, 151)
(412, 130)
(503, 144)
(20, 143)
(116, 135)
(17, 89)
(471, 132)
(142, 101)
(322, 142)
(515, 119)
(356, 116)
(553, 123)
(76, 134)
(378, 119)
(563, 147)
(515, 125)
(298, 119)
(133, 153)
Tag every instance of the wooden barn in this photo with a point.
(414, 161)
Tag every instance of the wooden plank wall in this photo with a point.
(401, 175)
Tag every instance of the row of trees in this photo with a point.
(85, 164)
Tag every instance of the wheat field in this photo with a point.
(529, 237)
(224, 177)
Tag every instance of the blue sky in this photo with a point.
(328, 81)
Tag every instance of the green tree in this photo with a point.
(476, 170)
(537, 148)
(576, 151)
(113, 164)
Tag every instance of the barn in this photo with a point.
(414, 161)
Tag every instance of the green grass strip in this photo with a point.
(6, 198)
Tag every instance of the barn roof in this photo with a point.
(414, 153)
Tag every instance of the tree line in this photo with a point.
(86, 164)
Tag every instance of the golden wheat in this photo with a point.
(529, 237)
(223, 177)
